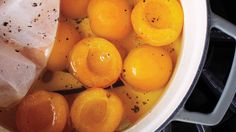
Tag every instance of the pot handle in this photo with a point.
(229, 90)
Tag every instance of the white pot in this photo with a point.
(198, 19)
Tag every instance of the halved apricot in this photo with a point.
(42, 112)
(122, 50)
(110, 18)
(74, 8)
(95, 62)
(147, 68)
(66, 38)
(96, 110)
(158, 22)
(133, 2)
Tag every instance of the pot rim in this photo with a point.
(150, 127)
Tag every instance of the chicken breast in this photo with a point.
(27, 32)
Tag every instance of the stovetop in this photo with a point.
(213, 77)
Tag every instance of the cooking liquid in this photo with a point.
(135, 107)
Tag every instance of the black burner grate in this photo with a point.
(214, 74)
(213, 77)
(225, 9)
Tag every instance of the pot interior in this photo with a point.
(193, 43)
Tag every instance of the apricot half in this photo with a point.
(158, 22)
(74, 8)
(147, 68)
(42, 112)
(66, 38)
(96, 110)
(95, 62)
(133, 2)
(110, 18)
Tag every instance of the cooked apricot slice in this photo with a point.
(66, 38)
(147, 68)
(96, 110)
(119, 45)
(42, 112)
(133, 2)
(122, 51)
(110, 18)
(158, 22)
(74, 8)
(95, 62)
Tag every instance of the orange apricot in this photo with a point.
(74, 8)
(147, 68)
(110, 18)
(133, 2)
(96, 110)
(66, 38)
(122, 50)
(95, 62)
(158, 22)
(42, 112)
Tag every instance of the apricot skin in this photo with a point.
(110, 18)
(96, 109)
(74, 8)
(42, 112)
(147, 68)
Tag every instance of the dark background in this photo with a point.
(217, 67)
